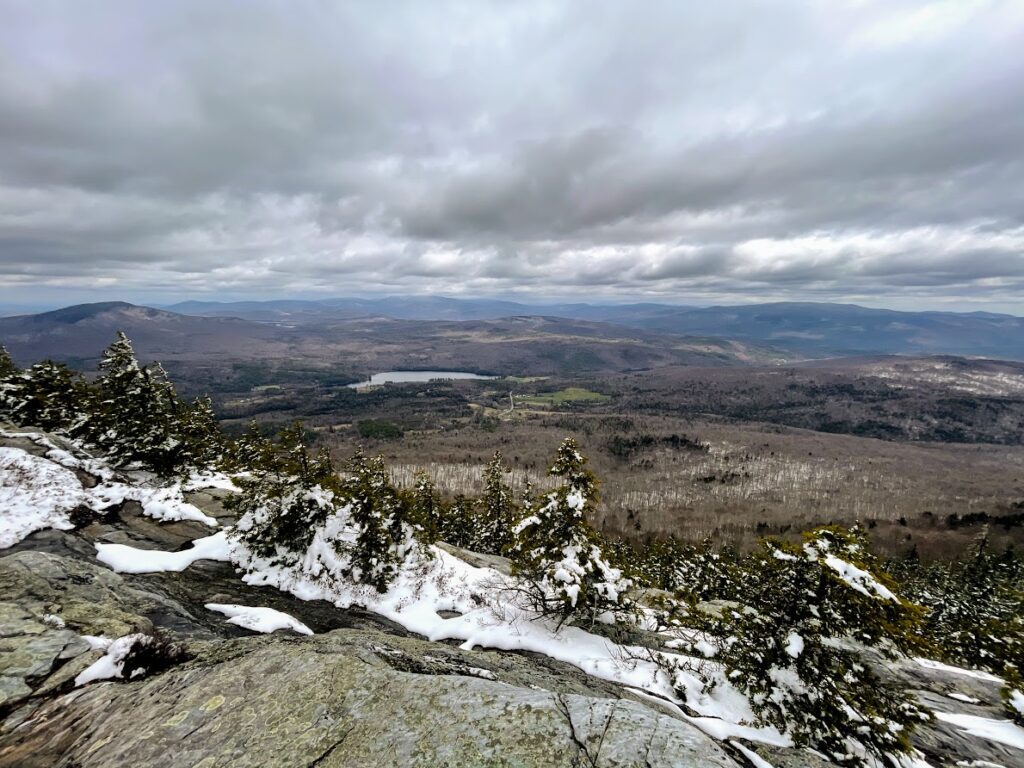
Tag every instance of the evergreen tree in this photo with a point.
(136, 422)
(789, 649)
(7, 367)
(702, 573)
(496, 510)
(559, 554)
(975, 611)
(381, 518)
(426, 508)
(50, 396)
(251, 452)
(9, 375)
(458, 524)
(204, 443)
(288, 497)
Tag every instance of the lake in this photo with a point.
(399, 377)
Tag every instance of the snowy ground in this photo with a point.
(38, 492)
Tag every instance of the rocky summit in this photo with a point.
(359, 690)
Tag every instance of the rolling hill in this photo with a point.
(812, 330)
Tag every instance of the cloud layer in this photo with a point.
(869, 150)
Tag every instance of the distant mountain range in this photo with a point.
(334, 341)
(657, 334)
(801, 328)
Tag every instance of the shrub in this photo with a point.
(151, 654)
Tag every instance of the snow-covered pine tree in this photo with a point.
(9, 373)
(288, 496)
(703, 572)
(385, 535)
(795, 646)
(426, 508)
(458, 523)
(203, 440)
(496, 513)
(136, 419)
(48, 395)
(975, 610)
(252, 451)
(559, 555)
(7, 366)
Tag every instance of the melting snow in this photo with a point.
(125, 559)
(1002, 731)
(111, 663)
(38, 493)
(35, 494)
(755, 759)
(859, 579)
(964, 698)
(259, 619)
(794, 645)
(940, 667)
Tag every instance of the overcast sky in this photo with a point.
(693, 152)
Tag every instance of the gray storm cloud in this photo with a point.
(692, 151)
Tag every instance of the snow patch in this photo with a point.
(111, 664)
(1017, 701)
(35, 494)
(859, 579)
(755, 759)
(964, 698)
(490, 615)
(794, 645)
(38, 492)
(1001, 731)
(125, 559)
(259, 619)
(940, 667)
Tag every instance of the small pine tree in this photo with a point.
(496, 510)
(252, 452)
(50, 396)
(380, 515)
(426, 508)
(288, 497)
(458, 523)
(788, 648)
(9, 374)
(203, 440)
(7, 366)
(558, 553)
